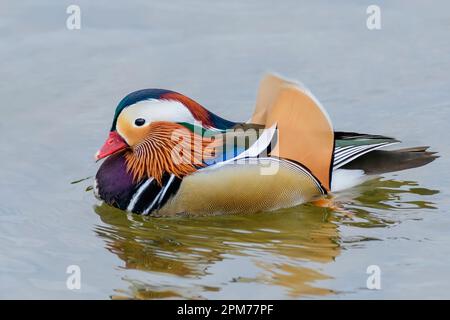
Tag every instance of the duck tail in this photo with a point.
(383, 161)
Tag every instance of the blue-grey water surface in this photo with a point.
(58, 91)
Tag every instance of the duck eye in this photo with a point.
(139, 122)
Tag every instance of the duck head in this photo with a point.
(143, 123)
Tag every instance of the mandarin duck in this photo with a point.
(168, 155)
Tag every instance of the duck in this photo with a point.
(167, 155)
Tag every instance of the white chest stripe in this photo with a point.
(138, 194)
(163, 192)
(150, 207)
(160, 196)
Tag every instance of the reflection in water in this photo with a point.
(284, 247)
(378, 202)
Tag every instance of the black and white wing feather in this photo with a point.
(350, 145)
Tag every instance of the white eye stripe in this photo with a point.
(158, 110)
(152, 111)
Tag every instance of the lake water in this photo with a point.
(58, 92)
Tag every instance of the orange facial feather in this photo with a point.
(168, 147)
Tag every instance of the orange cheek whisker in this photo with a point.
(157, 154)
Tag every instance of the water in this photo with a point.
(58, 91)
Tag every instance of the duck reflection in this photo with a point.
(283, 247)
(378, 202)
